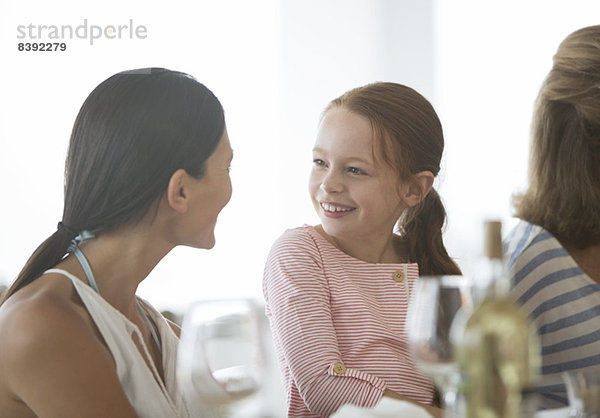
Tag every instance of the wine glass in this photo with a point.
(222, 360)
(439, 305)
(583, 392)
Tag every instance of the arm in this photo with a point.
(432, 410)
(297, 297)
(54, 363)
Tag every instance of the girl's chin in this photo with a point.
(333, 230)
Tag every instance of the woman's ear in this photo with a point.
(177, 191)
(417, 188)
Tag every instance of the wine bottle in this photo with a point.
(499, 353)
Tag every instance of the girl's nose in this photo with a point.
(332, 183)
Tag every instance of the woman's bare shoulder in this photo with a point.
(29, 322)
(49, 347)
(43, 303)
(40, 317)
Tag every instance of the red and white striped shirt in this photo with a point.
(338, 326)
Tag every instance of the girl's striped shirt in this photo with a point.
(338, 325)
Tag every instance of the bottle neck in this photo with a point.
(491, 280)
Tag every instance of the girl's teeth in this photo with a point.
(331, 208)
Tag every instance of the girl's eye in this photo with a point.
(355, 170)
(318, 161)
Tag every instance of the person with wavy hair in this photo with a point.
(554, 250)
(146, 170)
(337, 293)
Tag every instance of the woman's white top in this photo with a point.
(147, 393)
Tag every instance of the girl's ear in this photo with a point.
(417, 188)
(177, 191)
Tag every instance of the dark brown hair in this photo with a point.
(132, 133)
(564, 169)
(409, 138)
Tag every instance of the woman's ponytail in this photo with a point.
(46, 256)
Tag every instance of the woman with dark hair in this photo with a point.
(337, 293)
(554, 251)
(147, 170)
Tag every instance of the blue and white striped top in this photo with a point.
(563, 303)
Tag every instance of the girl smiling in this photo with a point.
(337, 293)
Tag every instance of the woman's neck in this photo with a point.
(588, 259)
(120, 261)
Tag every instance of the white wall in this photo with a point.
(330, 47)
(275, 64)
(231, 46)
(491, 60)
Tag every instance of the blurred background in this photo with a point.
(275, 64)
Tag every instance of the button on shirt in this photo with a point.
(339, 368)
(399, 276)
(338, 326)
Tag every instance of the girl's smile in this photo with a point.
(335, 210)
